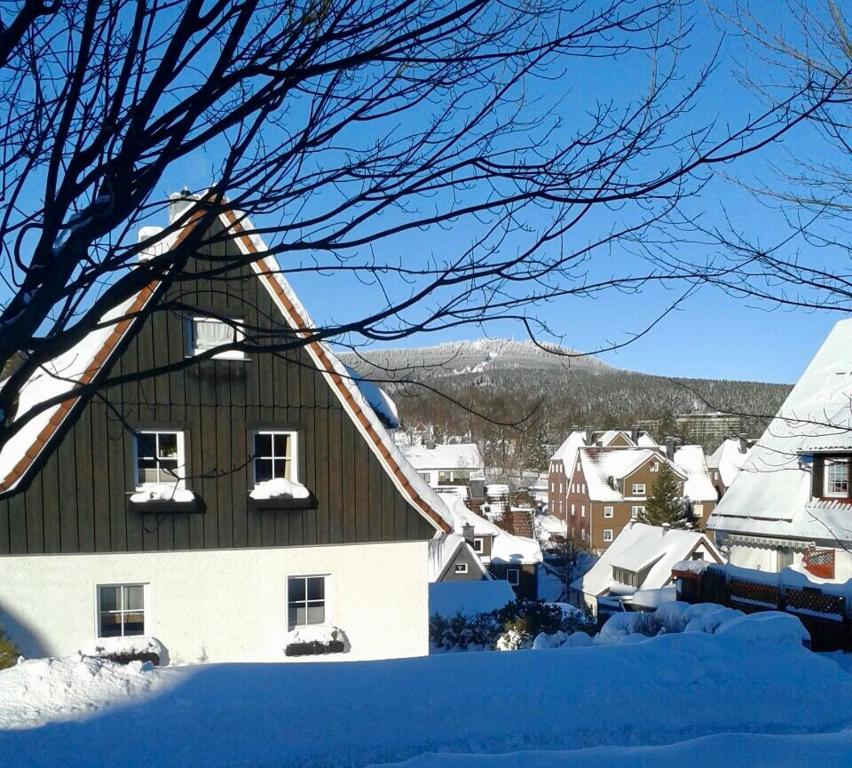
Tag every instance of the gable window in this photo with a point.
(607, 534)
(513, 576)
(655, 466)
(836, 474)
(121, 610)
(305, 600)
(638, 489)
(583, 510)
(210, 332)
(461, 568)
(160, 458)
(635, 511)
(583, 534)
(479, 546)
(274, 456)
(573, 509)
(608, 512)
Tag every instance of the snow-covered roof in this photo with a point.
(442, 553)
(379, 400)
(568, 450)
(646, 441)
(455, 456)
(83, 362)
(771, 494)
(601, 464)
(639, 546)
(505, 548)
(698, 486)
(728, 458)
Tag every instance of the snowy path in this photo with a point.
(622, 701)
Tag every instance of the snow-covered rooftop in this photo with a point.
(771, 494)
(568, 450)
(698, 486)
(601, 464)
(505, 548)
(454, 456)
(728, 458)
(638, 546)
(379, 400)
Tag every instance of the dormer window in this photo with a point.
(211, 332)
(836, 478)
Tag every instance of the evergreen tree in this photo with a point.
(665, 504)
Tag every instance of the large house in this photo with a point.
(220, 507)
(726, 461)
(791, 502)
(635, 572)
(597, 490)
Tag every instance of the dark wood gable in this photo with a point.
(76, 497)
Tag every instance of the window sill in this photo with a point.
(167, 507)
(281, 504)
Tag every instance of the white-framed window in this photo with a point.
(207, 333)
(698, 510)
(608, 512)
(306, 600)
(583, 488)
(121, 610)
(513, 576)
(160, 458)
(637, 489)
(274, 455)
(461, 568)
(836, 477)
(478, 545)
(582, 510)
(573, 509)
(425, 476)
(607, 534)
(635, 511)
(583, 534)
(655, 466)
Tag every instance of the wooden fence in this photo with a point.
(824, 614)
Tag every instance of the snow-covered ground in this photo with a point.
(733, 699)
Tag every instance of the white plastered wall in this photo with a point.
(759, 558)
(224, 605)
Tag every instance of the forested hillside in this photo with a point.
(519, 401)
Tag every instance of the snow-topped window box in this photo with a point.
(165, 499)
(315, 640)
(123, 650)
(281, 494)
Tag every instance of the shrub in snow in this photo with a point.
(9, 652)
(767, 628)
(315, 640)
(514, 625)
(513, 640)
(123, 650)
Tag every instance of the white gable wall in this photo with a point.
(224, 605)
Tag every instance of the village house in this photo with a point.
(597, 490)
(453, 464)
(726, 461)
(791, 502)
(635, 571)
(227, 508)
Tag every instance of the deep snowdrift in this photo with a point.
(652, 692)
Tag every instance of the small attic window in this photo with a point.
(207, 333)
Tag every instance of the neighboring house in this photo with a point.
(635, 572)
(453, 558)
(791, 503)
(607, 488)
(563, 460)
(726, 461)
(455, 464)
(218, 507)
(516, 559)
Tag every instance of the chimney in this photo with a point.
(672, 443)
(589, 435)
(467, 533)
(179, 202)
(744, 445)
(634, 433)
(147, 233)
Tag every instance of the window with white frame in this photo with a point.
(583, 510)
(274, 455)
(461, 568)
(478, 546)
(607, 534)
(583, 534)
(573, 510)
(425, 476)
(608, 511)
(635, 511)
(306, 600)
(210, 332)
(655, 466)
(160, 458)
(836, 474)
(121, 610)
(638, 489)
(513, 576)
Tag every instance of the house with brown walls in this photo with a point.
(220, 505)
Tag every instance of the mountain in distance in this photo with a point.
(498, 390)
